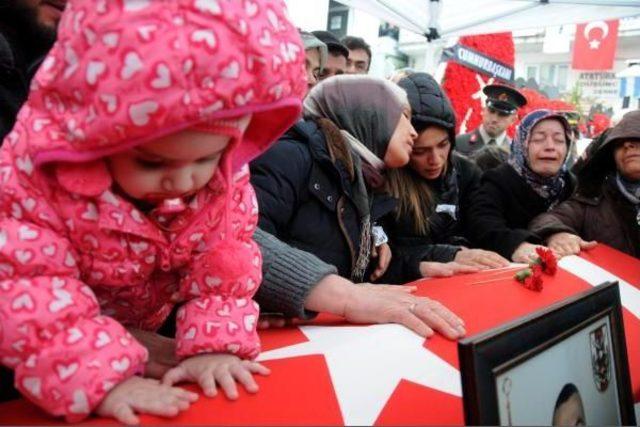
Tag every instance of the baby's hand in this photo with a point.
(223, 369)
(144, 395)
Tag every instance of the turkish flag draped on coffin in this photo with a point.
(595, 45)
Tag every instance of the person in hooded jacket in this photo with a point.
(320, 187)
(434, 191)
(125, 194)
(534, 180)
(608, 192)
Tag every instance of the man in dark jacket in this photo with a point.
(608, 193)
(500, 112)
(27, 32)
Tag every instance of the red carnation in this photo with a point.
(531, 278)
(547, 260)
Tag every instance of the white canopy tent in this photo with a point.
(467, 17)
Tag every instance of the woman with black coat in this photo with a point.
(320, 187)
(534, 180)
(433, 191)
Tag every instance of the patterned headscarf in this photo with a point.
(550, 187)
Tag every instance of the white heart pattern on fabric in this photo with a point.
(23, 256)
(19, 345)
(190, 333)
(80, 403)
(225, 311)
(140, 114)
(232, 327)
(69, 260)
(31, 362)
(265, 40)
(203, 304)
(206, 36)
(210, 6)
(39, 124)
(24, 164)
(132, 65)
(27, 234)
(33, 386)
(231, 71)
(251, 8)
(62, 300)
(135, 5)
(74, 335)
(146, 32)
(163, 79)
(58, 283)
(49, 250)
(94, 70)
(137, 216)
(5, 172)
(139, 247)
(111, 40)
(71, 58)
(241, 302)
(212, 282)
(249, 322)
(111, 102)
(243, 99)
(273, 19)
(103, 340)
(66, 371)
(121, 365)
(91, 214)
(3, 238)
(16, 211)
(29, 204)
(233, 348)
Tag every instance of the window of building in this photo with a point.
(338, 19)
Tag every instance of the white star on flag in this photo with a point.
(367, 363)
(594, 44)
(480, 94)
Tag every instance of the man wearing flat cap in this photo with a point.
(500, 111)
(338, 55)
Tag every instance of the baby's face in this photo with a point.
(174, 166)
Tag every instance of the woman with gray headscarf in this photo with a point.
(319, 187)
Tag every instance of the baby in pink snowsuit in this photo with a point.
(124, 193)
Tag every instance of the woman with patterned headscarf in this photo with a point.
(534, 180)
(608, 193)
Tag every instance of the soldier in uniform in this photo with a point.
(498, 114)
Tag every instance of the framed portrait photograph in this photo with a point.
(564, 365)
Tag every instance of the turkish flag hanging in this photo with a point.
(595, 45)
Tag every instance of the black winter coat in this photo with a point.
(446, 233)
(16, 71)
(502, 209)
(304, 198)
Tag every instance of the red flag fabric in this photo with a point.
(595, 45)
(329, 373)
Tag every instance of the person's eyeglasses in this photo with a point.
(498, 112)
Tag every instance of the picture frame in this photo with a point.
(566, 363)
